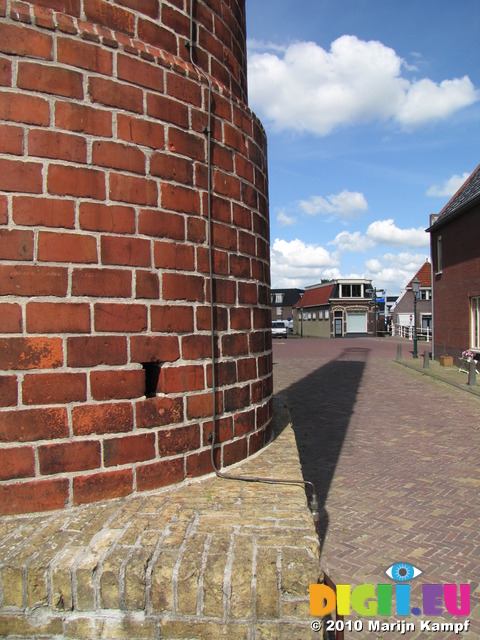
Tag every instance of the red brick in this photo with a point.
(169, 255)
(125, 251)
(102, 217)
(54, 388)
(166, 109)
(30, 353)
(179, 440)
(30, 280)
(51, 317)
(3, 210)
(111, 16)
(237, 398)
(147, 285)
(181, 379)
(244, 422)
(247, 369)
(61, 146)
(247, 293)
(120, 317)
(147, 7)
(226, 184)
(83, 119)
(115, 385)
(153, 222)
(20, 40)
(28, 425)
(224, 291)
(102, 418)
(77, 53)
(154, 348)
(21, 176)
(234, 138)
(234, 452)
(96, 350)
(66, 247)
(184, 89)
(225, 373)
(240, 266)
(118, 156)
(201, 405)
(177, 286)
(128, 449)
(18, 462)
(16, 244)
(45, 212)
(246, 243)
(176, 21)
(196, 347)
(242, 217)
(125, 188)
(154, 33)
(140, 72)
(102, 486)
(158, 412)
(116, 94)
(172, 319)
(52, 80)
(69, 456)
(11, 140)
(76, 181)
(235, 344)
(223, 430)
(186, 144)
(102, 283)
(5, 72)
(28, 497)
(196, 230)
(224, 236)
(8, 391)
(200, 464)
(170, 167)
(141, 132)
(222, 209)
(160, 474)
(44, 17)
(26, 109)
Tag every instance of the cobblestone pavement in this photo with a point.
(214, 559)
(395, 457)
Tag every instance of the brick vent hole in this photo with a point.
(152, 374)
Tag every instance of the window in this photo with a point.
(327, 314)
(356, 290)
(346, 291)
(314, 315)
(475, 323)
(320, 314)
(424, 294)
(439, 254)
(278, 298)
(279, 311)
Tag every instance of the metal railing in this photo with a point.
(408, 332)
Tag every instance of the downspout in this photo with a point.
(191, 44)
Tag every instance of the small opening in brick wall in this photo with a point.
(152, 373)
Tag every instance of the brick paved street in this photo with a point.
(395, 457)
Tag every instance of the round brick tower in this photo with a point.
(133, 185)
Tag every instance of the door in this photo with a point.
(357, 322)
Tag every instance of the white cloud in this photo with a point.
(352, 242)
(307, 88)
(448, 188)
(296, 263)
(285, 220)
(393, 271)
(386, 232)
(345, 205)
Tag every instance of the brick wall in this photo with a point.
(457, 283)
(104, 250)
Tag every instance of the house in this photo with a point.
(402, 317)
(455, 250)
(282, 301)
(337, 308)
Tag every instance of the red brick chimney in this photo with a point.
(105, 346)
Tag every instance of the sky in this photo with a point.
(372, 114)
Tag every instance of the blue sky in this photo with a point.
(372, 112)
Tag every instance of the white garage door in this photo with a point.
(357, 322)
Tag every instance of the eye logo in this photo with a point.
(403, 572)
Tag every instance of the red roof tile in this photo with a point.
(424, 274)
(315, 297)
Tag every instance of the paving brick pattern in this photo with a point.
(395, 456)
(216, 559)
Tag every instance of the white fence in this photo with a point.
(407, 332)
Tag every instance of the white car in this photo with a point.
(279, 330)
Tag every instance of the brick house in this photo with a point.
(402, 316)
(282, 302)
(335, 309)
(455, 250)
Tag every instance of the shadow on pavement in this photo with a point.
(321, 406)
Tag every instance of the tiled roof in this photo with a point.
(424, 274)
(315, 297)
(466, 195)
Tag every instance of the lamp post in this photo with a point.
(374, 291)
(415, 289)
